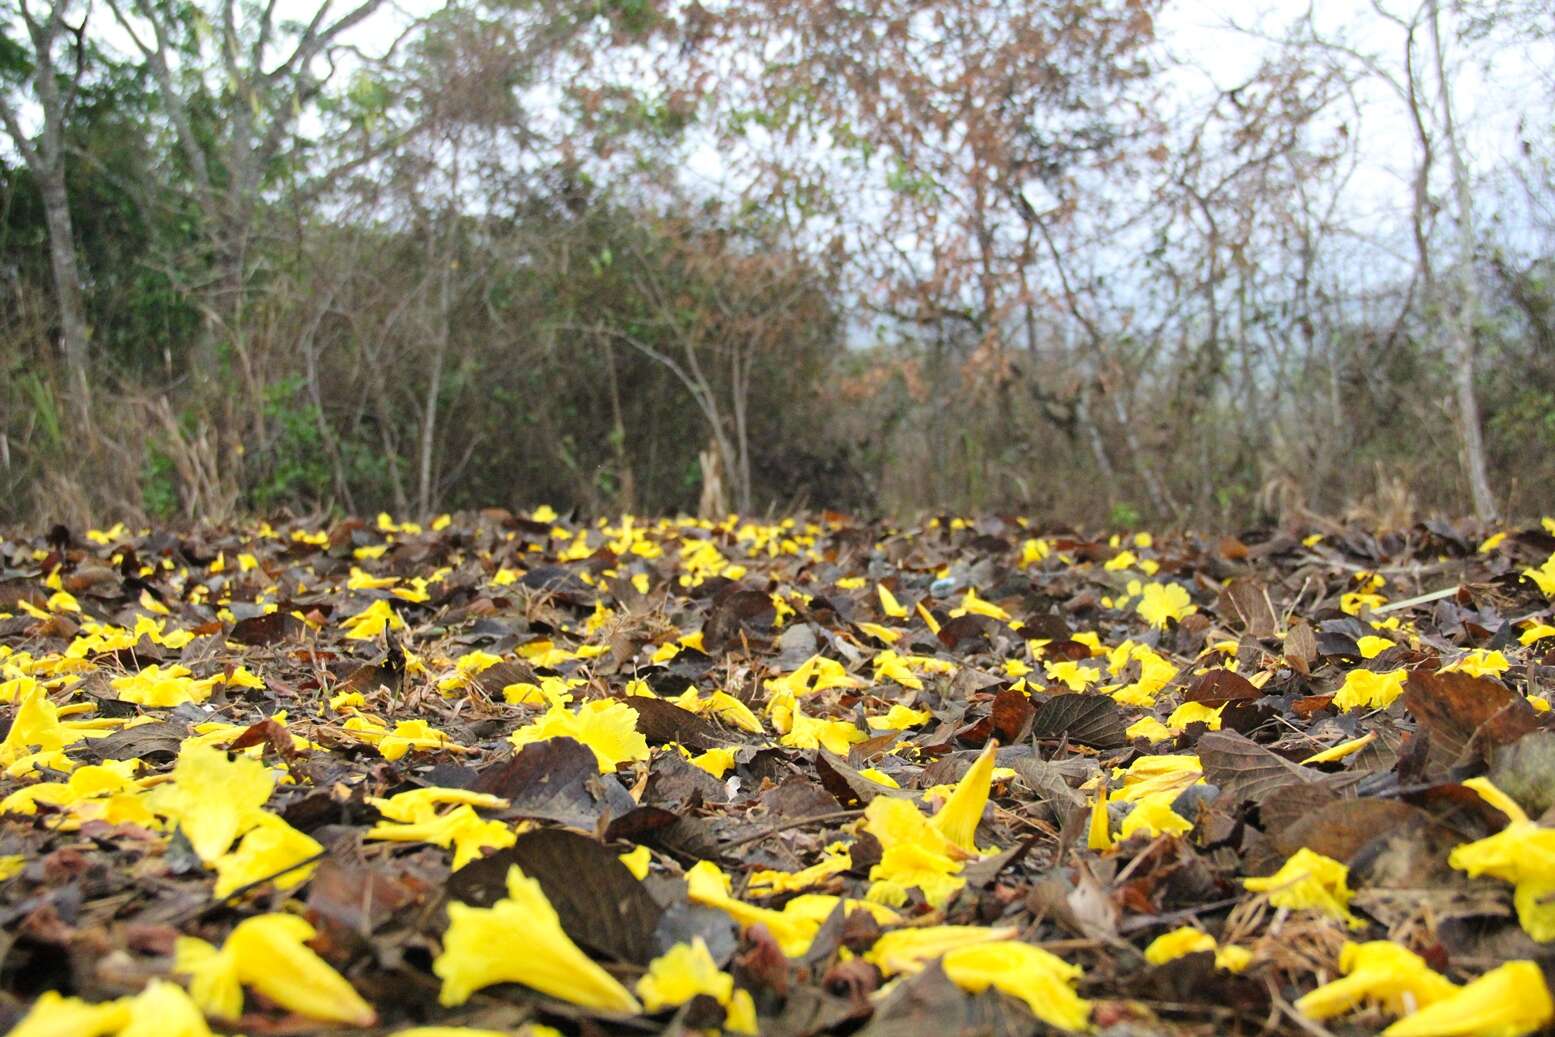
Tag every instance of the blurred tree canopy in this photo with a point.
(875, 255)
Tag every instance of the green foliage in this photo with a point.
(294, 468)
(1124, 516)
(158, 485)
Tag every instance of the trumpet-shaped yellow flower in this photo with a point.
(1153, 815)
(1508, 1001)
(1071, 674)
(1544, 576)
(53, 1015)
(371, 623)
(269, 953)
(890, 666)
(816, 674)
(1160, 602)
(213, 799)
(914, 852)
(888, 603)
(1367, 689)
(899, 718)
(478, 952)
(1522, 853)
(1372, 646)
(1379, 972)
(163, 1010)
(909, 950)
(1480, 662)
(154, 686)
(680, 974)
(957, 820)
(807, 732)
(271, 850)
(1343, 749)
(723, 706)
(1044, 981)
(794, 927)
(637, 861)
(767, 882)
(1178, 943)
(1195, 713)
(971, 604)
(607, 727)
(1309, 881)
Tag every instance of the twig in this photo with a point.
(800, 822)
(1420, 599)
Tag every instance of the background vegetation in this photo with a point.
(882, 256)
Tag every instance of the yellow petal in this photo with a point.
(55, 1016)
(1042, 980)
(957, 820)
(1178, 943)
(164, 1010)
(272, 957)
(1508, 1001)
(908, 950)
(1378, 972)
(681, 973)
(477, 952)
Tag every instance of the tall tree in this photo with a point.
(52, 70)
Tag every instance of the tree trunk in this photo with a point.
(75, 337)
(1461, 328)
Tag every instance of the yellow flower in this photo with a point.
(1164, 601)
(794, 927)
(807, 732)
(462, 829)
(607, 727)
(55, 1016)
(1372, 646)
(270, 850)
(914, 852)
(1370, 690)
(722, 705)
(1153, 815)
(1508, 1001)
(163, 1010)
(1195, 713)
(637, 861)
(270, 954)
(1071, 674)
(1178, 943)
(890, 666)
(714, 761)
(1044, 981)
(477, 952)
(899, 718)
(370, 623)
(1343, 749)
(909, 950)
(1522, 853)
(680, 974)
(1098, 833)
(1150, 729)
(1535, 631)
(957, 820)
(888, 603)
(1544, 576)
(154, 686)
(971, 604)
(213, 799)
(1309, 881)
(1480, 663)
(1379, 972)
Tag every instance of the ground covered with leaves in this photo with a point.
(511, 773)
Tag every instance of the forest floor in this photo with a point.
(510, 773)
